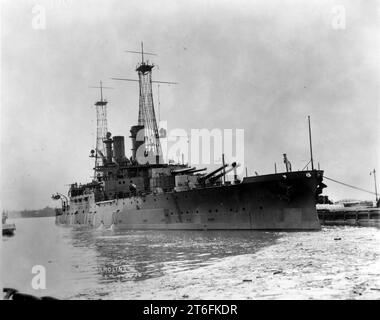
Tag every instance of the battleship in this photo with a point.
(144, 192)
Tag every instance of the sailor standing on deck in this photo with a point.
(132, 187)
(288, 165)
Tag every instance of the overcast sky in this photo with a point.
(262, 66)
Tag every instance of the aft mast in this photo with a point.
(101, 128)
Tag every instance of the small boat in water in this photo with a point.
(8, 228)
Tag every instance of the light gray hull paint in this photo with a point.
(259, 203)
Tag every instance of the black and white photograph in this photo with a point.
(189, 151)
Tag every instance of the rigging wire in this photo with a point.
(306, 165)
(348, 185)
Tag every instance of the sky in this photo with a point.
(261, 66)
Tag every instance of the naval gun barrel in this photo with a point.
(184, 170)
(196, 170)
(234, 165)
(209, 175)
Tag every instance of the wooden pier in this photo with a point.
(365, 217)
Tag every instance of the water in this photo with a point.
(82, 263)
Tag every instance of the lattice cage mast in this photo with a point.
(147, 116)
(101, 127)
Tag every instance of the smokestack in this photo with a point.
(108, 142)
(235, 171)
(135, 143)
(118, 149)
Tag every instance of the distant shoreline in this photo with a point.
(42, 213)
(28, 217)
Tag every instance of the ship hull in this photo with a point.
(284, 201)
